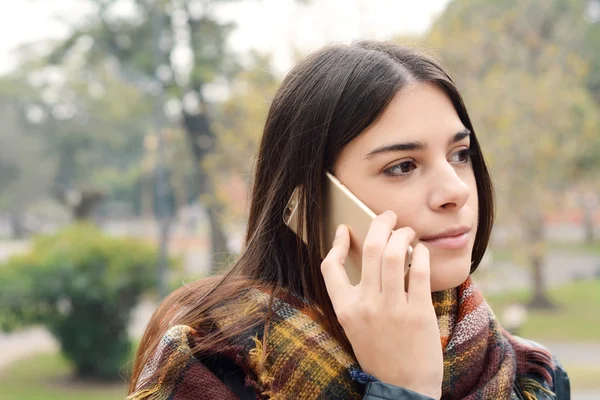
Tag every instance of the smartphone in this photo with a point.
(341, 206)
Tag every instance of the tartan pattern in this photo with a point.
(482, 360)
(165, 386)
(475, 350)
(302, 361)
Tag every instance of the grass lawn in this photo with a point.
(518, 252)
(593, 248)
(47, 377)
(575, 320)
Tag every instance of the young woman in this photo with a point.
(283, 323)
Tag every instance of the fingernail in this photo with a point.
(339, 230)
(390, 213)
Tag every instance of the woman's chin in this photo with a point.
(449, 274)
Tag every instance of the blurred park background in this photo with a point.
(128, 130)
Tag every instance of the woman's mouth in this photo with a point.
(451, 239)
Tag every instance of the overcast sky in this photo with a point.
(267, 25)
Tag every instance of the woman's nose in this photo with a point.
(449, 191)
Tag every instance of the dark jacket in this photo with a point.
(233, 378)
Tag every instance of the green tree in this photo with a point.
(523, 72)
(591, 46)
(25, 169)
(589, 164)
(89, 123)
(238, 123)
(82, 286)
(191, 29)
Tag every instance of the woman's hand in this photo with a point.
(394, 334)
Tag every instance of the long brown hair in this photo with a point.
(325, 102)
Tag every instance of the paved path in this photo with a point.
(18, 345)
(586, 395)
(576, 353)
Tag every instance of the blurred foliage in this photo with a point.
(82, 286)
(239, 122)
(71, 129)
(25, 170)
(592, 40)
(144, 46)
(523, 69)
(528, 71)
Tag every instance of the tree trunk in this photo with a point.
(147, 196)
(588, 224)
(588, 205)
(17, 227)
(221, 255)
(80, 203)
(535, 233)
(540, 299)
(89, 202)
(201, 139)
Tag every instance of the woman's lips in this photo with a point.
(450, 242)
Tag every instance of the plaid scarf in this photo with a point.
(481, 359)
(298, 359)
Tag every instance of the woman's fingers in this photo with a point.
(375, 243)
(419, 289)
(332, 267)
(392, 268)
(396, 341)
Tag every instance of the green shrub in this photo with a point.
(82, 286)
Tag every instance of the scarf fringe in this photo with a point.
(258, 355)
(537, 361)
(532, 361)
(529, 386)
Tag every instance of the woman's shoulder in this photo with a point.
(177, 339)
(189, 379)
(561, 385)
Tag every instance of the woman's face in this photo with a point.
(415, 161)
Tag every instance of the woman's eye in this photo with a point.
(461, 157)
(403, 168)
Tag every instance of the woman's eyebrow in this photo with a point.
(416, 145)
(458, 136)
